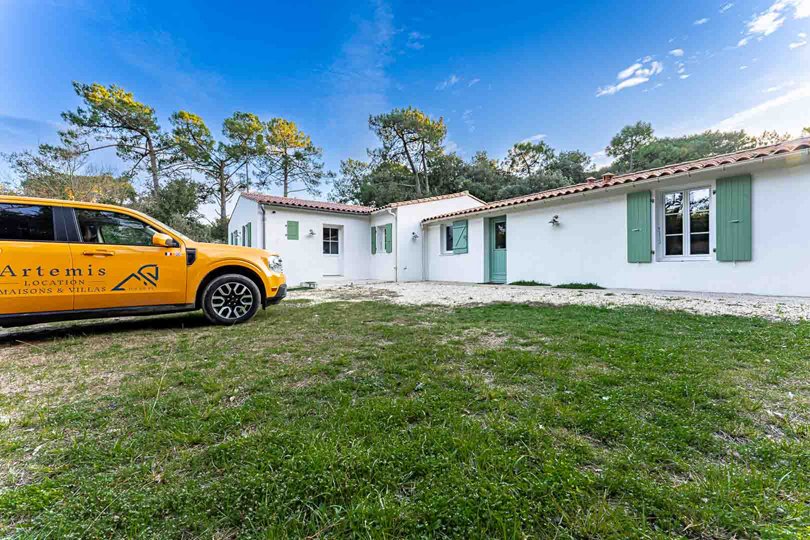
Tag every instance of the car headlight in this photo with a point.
(275, 264)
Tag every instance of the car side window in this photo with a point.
(105, 227)
(26, 222)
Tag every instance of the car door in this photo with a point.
(127, 269)
(35, 266)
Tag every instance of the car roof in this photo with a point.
(61, 202)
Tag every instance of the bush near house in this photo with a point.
(578, 286)
(529, 283)
(375, 420)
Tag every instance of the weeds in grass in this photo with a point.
(578, 286)
(529, 283)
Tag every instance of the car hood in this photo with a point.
(225, 250)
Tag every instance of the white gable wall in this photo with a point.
(246, 211)
(409, 223)
(590, 244)
(304, 259)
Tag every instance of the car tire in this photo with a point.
(231, 299)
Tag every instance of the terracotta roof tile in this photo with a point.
(325, 206)
(700, 164)
(305, 204)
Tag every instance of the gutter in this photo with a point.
(587, 193)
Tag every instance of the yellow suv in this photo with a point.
(62, 260)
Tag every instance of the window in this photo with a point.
(380, 239)
(101, 227)
(331, 241)
(448, 239)
(26, 222)
(500, 235)
(686, 222)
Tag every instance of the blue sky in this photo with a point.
(572, 73)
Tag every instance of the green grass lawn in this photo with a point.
(374, 420)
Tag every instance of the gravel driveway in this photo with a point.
(455, 294)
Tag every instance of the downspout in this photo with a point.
(423, 232)
(264, 226)
(396, 244)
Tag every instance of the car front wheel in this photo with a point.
(231, 299)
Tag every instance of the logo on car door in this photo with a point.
(146, 277)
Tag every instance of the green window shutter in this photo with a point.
(292, 230)
(250, 234)
(639, 227)
(460, 236)
(243, 235)
(734, 218)
(389, 240)
(373, 240)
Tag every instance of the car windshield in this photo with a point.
(170, 230)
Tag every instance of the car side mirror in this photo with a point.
(164, 240)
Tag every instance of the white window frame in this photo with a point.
(338, 241)
(660, 230)
(380, 240)
(443, 239)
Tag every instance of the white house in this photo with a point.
(737, 223)
(322, 241)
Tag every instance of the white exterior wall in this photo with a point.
(382, 265)
(304, 259)
(246, 211)
(468, 267)
(409, 223)
(590, 244)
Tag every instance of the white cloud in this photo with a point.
(535, 138)
(416, 40)
(801, 42)
(473, 82)
(451, 146)
(684, 76)
(726, 7)
(772, 89)
(449, 82)
(743, 68)
(623, 74)
(469, 121)
(785, 113)
(701, 22)
(601, 159)
(766, 23)
(634, 75)
(773, 18)
(676, 52)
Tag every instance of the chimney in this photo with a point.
(590, 179)
(607, 177)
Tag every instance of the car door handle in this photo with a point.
(98, 253)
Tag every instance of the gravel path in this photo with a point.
(455, 294)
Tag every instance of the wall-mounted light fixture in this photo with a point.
(555, 221)
(311, 233)
(414, 236)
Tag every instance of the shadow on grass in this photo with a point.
(60, 330)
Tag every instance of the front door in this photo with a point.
(36, 270)
(332, 251)
(122, 267)
(497, 250)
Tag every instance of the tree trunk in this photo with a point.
(286, 169)
(414, 169)
(223, 209)
(153, 166)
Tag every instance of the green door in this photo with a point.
(497, 250)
